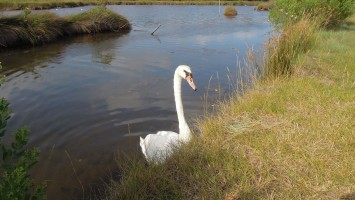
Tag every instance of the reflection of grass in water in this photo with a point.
(104, 57)
(35, 29)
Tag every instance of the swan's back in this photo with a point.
(157, 147)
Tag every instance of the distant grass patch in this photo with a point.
(41, 28)
(46, 4)
(98, 20)
(230, 11)
(265, 6)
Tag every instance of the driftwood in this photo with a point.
(156, 29)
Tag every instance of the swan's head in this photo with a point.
(184, 72)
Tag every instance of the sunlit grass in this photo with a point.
(288, 138)
(283, 48)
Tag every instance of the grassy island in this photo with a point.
(41, 28)
(291, 136)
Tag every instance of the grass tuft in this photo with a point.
(282, 49)
(230, 11)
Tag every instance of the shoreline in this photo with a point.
(6, 6)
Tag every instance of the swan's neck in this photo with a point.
(184, 130)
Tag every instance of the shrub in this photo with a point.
(332, 12)
(230, 11)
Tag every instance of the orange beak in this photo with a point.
(191, 83)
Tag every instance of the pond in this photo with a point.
(88, 99)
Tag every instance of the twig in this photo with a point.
(77, 177)
(124, 25)
(50, 155)
(156, 29)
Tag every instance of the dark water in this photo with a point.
(87, 98)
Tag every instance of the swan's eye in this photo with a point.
(187, 74)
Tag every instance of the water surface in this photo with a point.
(87, 98)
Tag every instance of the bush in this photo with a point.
(230, 11)
(331, 12)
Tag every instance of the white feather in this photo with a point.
(157, 147)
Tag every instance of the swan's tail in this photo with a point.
(142, 144)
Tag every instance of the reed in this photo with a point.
(41, 28)
(283, 48)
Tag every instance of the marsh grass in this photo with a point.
(41, 28)
(287, 138)
(98, 20)
(230, 11)
(283, 48)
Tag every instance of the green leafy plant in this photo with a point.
(332, 12)
(16, 161)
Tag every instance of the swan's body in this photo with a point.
(157, 147)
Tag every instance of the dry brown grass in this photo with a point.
(230, 11)
(282, 49)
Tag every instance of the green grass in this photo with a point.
(329, 12)
(46, 4)
(41, 28)
(288, 138)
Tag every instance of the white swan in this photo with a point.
(157, 147)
